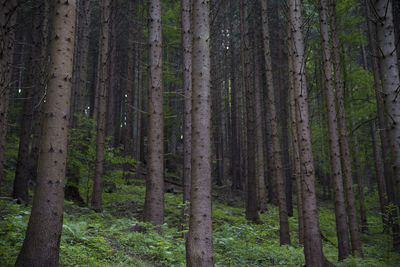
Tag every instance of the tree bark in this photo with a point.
(7, 22)
(379, 173)
(251, 188)
(22, 175)
(154, 202)
(312, 235)
(258, 84)
(187, 88)
(42, 241)
(102, 96)
(390, 84)
(277, 158)
(340, 211)
(199, 250)
(295, 141)
(344, 145)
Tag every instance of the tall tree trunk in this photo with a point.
(199, 250)
(278, 170)
(283, 115)
(40, 91)
(312, 235)
(102, 96)
(379, 173)
(130, 83)
(344, 145)
(340, 210)
(7, 21)
(251, 197)
(22, 175)
(258, 84)
(385, 146)
(139, 100)
(295, 141)
(42, 241)
(187, 88)
(154, 202)
(390, 84)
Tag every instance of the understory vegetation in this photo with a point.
(117, 237)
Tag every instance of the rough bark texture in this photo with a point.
(277, 158)
(40, 91)
(295, 141)
(42, 241)
(379, 172)
(102, 96)
(390, 84)
(7, 21)
(385, 146)
(22, 175)
(187, 88)
(199, 250)
(251, 186)
(344, 145)
(154, 202)
(340, 209)
(312, 235)
(258, 84)
(130, 84)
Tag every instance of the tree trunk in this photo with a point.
(312, 235)
(278, 170)
(154, 202)
(7, 21)
(295, 141)
(130, 83)
(283, 115)
(390, 84)
(380, 177)
(199, 250)
(102, 96)
(42, 241)
(340, 211)
(344, 145)
(187, 88)
(258, 84)
(251, 188)
(40, 92)
(22, 175)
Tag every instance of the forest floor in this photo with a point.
(117, 237)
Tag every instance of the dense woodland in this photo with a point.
(199, 133)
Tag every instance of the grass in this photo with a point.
(117, 237)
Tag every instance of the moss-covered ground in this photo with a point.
(117, 237)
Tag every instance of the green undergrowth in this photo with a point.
(117, 237)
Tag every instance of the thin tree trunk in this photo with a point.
(251, 189)
(7, 21)
(344, 145)
(340, 209)
(278, 170)
(379, 173)
(295, 141)
(258, 83)
(42, 241)
(312, 235)
(130, 83)
(102, 96)
(199, 250)
(187, 88)
(22, 176)
(154, 202)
